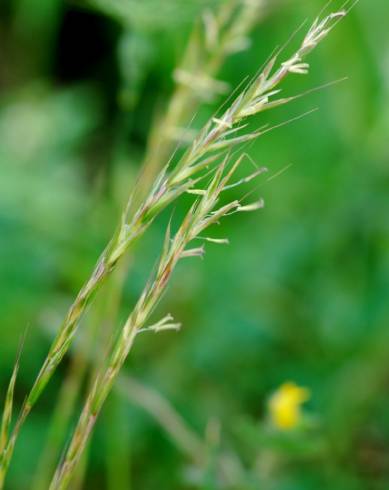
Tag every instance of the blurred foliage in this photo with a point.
(300, 295)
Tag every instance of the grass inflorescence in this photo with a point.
(204, 170)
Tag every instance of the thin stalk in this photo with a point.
(167, 417)
(193, 446)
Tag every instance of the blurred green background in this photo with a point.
(300, 295)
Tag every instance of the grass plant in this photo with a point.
(211, 154)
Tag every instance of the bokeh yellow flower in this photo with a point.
(285, 405)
